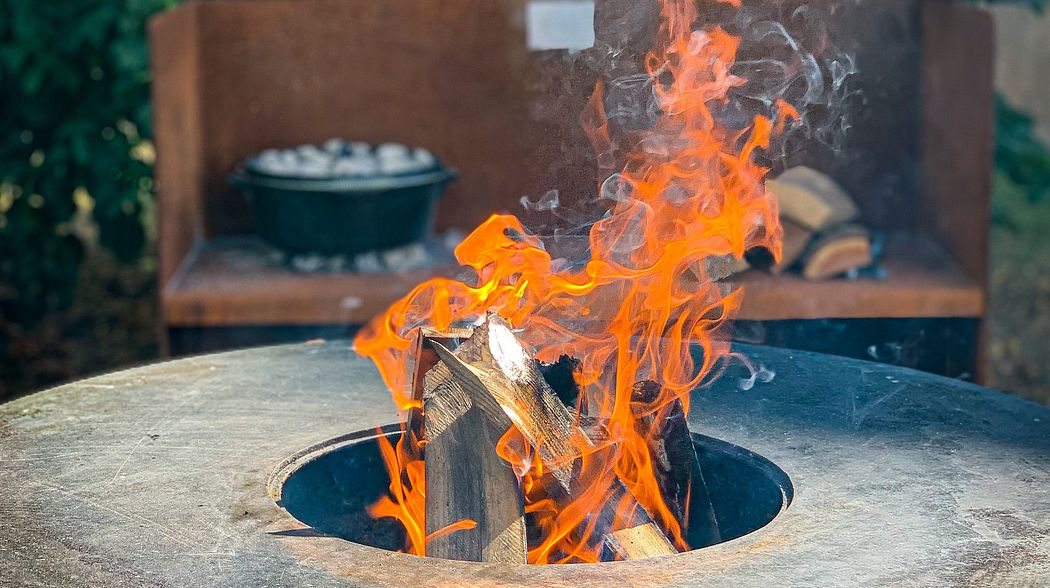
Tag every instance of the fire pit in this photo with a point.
(329, 486)
(159, 476)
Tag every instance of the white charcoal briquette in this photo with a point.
(312, 153)
(312, 169)
(288, 157)
(334, 146)
(392, 151)
(392, 166)
(424, 157)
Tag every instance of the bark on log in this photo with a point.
(675, 463)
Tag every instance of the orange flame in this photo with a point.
(690, 191)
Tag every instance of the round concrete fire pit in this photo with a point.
(163, 476)
(328, 486)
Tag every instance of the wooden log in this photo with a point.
(466, 480)
(812, 199)
(424, 360)
(715, 268)
(619, 511)
(720, 267)
(639, 542)
(836, 252)
(504, 382)
(675, 463)
(796, 239)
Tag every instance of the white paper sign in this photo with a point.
(559, 24)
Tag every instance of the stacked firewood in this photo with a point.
(820, 232)
(822, 238)
(486, 403)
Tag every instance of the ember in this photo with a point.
(606, 479)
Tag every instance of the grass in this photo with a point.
(1019, 297)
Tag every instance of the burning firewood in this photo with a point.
(425, 360)
(482, 520)
(836, 252)
(425, 356)
(675, 463)
(639, 542)
(470, 490)
(504, 383)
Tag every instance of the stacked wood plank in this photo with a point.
(820, 234)
(821, 237)
(478, 386)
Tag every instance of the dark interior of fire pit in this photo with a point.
(332, 486)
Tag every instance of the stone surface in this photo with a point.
(157, 476)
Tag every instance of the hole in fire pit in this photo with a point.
(328, 486)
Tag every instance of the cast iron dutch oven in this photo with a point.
(342, 215)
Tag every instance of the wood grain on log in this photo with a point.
(504, 382)
(639, 542)
(836, 252)
(466, 479)
(424, 360)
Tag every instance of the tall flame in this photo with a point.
(690, 191)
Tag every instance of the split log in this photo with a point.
(639, 542)
(620, 524)
(796, 238)
(675, 463)
(467, 480)
(720, 267)
(836, 252)
(504, 382)
(715, 268)
(812, 199)
(425, 360)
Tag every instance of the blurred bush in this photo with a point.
(1018, 151)
(75, 155)
(1037, 5)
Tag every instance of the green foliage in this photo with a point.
(1019, 154)
(74, 142)
(1037, 5)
